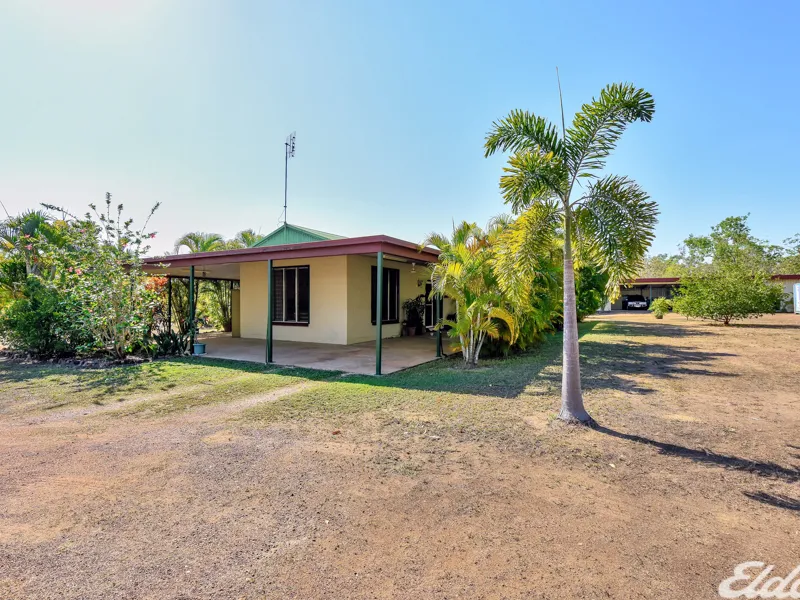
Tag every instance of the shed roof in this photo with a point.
(294, 234)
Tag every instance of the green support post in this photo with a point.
(379, 315)
(437, 300)
(191, 309)
(270, 280)
(169, 303)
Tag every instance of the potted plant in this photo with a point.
(414, 309)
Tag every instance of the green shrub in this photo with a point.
(659, 307)
(171, 343)
(42, 321)
(727, 294)
(590, 291)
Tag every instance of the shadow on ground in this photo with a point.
(735, 463)
(609, 364)
(776, 500)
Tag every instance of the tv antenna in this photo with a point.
(289, 144)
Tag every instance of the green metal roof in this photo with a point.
(294, 234)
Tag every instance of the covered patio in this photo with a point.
(398, 353)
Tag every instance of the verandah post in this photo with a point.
(438, 312)
(169, 303)
(191, 309)
(378, 314)
(270, 280)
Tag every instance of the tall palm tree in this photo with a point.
(552, 180)
(199, 241)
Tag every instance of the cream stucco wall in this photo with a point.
(328, 299)
(359, 296)
(340, 300)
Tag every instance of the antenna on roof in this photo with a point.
(289, 144)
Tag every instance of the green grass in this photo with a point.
(441, 391)
(157, 387)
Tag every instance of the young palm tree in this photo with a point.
(552, 181)
(464, 273)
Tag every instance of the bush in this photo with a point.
(659, 307)
(590, 286)
(727, 294)
(42, 321)
(171, 343)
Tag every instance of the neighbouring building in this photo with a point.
(664, 287)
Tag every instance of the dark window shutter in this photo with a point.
(277, 295)
(303, 295)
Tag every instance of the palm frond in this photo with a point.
(522, 130)
(600, 123)
(614, 226)
(530, 178)
(519, 250)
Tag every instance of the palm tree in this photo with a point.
(464, 273)
(608, 221)
(19, 234)
(247, 238)
(200, 242)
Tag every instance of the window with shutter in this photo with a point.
(291, 293)
(390, 309)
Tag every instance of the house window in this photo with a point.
(291, 295)
(390, 311)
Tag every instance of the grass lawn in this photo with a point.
(217, 479)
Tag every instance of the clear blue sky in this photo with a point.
(188, 103)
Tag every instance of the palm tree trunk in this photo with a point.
(572, 409)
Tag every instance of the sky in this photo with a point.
(188, 103)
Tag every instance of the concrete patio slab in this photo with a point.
(398, 353)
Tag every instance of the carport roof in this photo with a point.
(391, 247)
(668, 280)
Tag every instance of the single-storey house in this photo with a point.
(308, 298)
(664, 287)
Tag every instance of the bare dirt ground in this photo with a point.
(425, 493)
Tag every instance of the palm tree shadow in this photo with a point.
(703, 456)
(777, 500)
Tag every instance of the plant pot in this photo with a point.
(409, 331)
(199, 348)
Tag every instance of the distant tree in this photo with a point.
(660, 265)
(730, 242)
(790, 263)
(726, 275)
(552, 183)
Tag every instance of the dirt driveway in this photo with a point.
(434, 484)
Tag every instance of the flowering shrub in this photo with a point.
(94, 277)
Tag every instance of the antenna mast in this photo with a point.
(289, 144)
